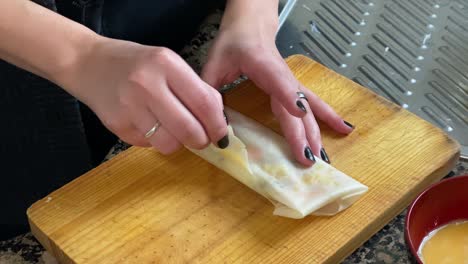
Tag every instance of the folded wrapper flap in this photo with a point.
(262, 160)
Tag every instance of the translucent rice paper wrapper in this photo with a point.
(262, 160)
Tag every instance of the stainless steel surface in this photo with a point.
(414, 52)
(286, 6)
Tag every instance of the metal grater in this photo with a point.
(415, 53)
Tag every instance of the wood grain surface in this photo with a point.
(142, 207)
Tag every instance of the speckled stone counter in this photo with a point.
(387, 246)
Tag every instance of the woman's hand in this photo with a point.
(131, 87)
(246, 45)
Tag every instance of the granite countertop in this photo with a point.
(387, 246)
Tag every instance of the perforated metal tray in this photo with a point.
(414, 52)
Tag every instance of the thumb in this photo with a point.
(211, 74)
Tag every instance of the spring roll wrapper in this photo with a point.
(262, 160)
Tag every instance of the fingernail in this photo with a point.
(324, 156)
(348, 124)
(301, 106)
(302, 96)
(224, 142)
(308, 154)
(225, 118)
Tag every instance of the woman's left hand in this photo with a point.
(246, 46)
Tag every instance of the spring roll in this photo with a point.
(262, 160)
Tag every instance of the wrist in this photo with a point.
(257, 17)
(71, 58)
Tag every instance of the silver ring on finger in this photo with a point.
(302, 96)
(153, 130)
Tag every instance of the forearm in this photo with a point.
(262, 14)
(41, 41)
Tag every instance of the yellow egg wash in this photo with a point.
(446, 245)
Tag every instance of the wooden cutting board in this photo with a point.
(142, 207)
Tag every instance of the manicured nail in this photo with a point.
(308, 154)
(302, 96)
(225, 117)
(348, 124)
(224, 142)
(301, 106)
(324, 156)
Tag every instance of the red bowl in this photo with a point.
(441, 203)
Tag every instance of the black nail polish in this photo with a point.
(224, 142)
(225, 118)
(308, 154)
(348, 124)
(324, 156)
(301, 106)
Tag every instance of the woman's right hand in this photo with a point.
(131, 87)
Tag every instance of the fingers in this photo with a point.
(210, 74)
(202, 100)
(272, 75)
(135, 138)
(294, 133)
(325, 113)
(178, 120)
(296, 129)
(188, 109)
(144, 121)
(124, 129)
(164, 142)
(216, 73)
(312, 131)
(161, 140)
